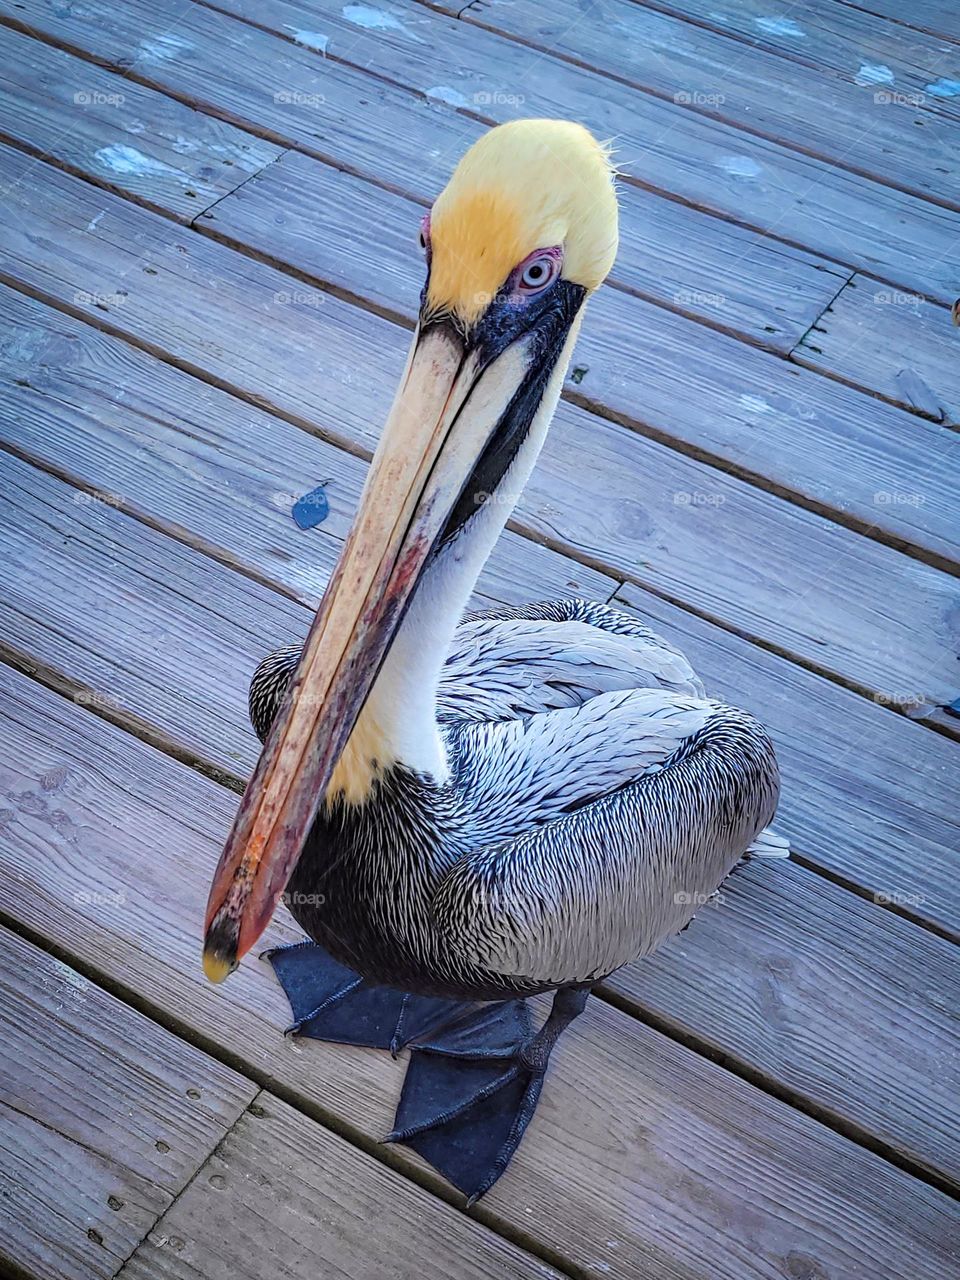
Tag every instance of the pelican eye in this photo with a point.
(538, 273)
(424, 236)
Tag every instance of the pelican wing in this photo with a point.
(508, 664)
(611, 823)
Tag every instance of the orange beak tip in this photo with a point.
(216, 966)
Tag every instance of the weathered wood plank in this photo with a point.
(701, 266)
(850, 42)
(833, 744)
(634, 361)
(104, 1116)
(180, 667)
(125, 424)
(612, 1176)
(335, 111)
(897, 344)
(126, 611)
(758, 286)
(936, 16)
(824, 993)
(704, 71)
(126, 137)
(643, 511)
(284, 1196)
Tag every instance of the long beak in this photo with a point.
(444, 413)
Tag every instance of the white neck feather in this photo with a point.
(399, 720)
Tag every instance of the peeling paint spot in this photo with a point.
(781, 27)
(128, 160)
(755, 404)
(874, 73)
(92, 224)
(162, 48)
(314, 40)
(443, 93)
(944, 88)
(740, 166)
(364, 15)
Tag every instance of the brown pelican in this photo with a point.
(477, 809)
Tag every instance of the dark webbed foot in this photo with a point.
(331, 1002)
(469, 1094)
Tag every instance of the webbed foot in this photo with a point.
(331, 1002)
(469, 1094)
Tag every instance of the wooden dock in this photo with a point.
(207, 281)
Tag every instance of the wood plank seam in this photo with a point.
(753, 477)
(840, 162)
(898, 21)
(285, 141)
(756, 478)
(146, 731)
(632, 1007)
(124, 193)
(788, 55)
(944, 727)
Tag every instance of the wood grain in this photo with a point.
(283, 1195)
(104, 1117)
(663, 1165)
(142, 433)
(627, 505)
(935, 16)
(126, 615)
(831, 997)
(745, 86)
(154, 630)
(651, 370)
(126, 137)
(766, 290)
(835, 38)
(897, 344)
(333, 110)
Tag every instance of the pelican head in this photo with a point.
(523, 233)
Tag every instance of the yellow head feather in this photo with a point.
(526, 185)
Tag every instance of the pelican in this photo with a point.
(465, 810)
